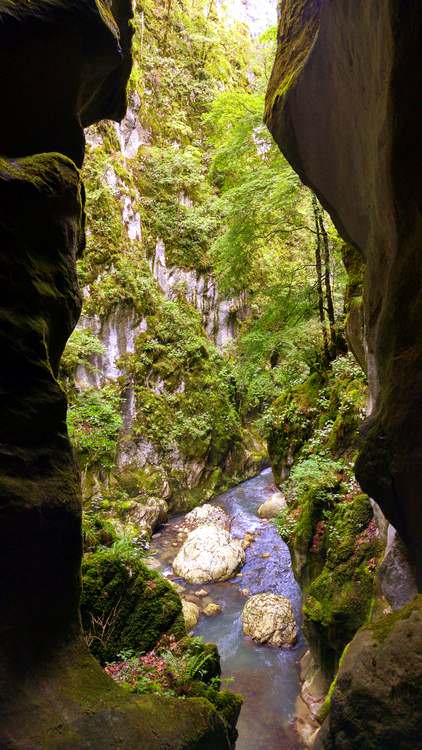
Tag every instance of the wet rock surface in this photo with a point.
(269, 618)
(272, 507)
(208, 554)
(396, 577)
(267, 676)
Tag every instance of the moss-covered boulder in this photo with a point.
(125, 606)
(376, 702)
(91, 712)
(227, 704)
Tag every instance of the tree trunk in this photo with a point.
(327, 277)
(167, 24)
(318, 267)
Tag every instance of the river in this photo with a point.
(267, 677)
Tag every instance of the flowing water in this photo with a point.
(267, 677)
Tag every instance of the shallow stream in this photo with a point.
(267, 677)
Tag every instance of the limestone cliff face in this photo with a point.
(341, 104)
(139, 278)
(63, 66)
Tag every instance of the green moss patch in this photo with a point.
(125, 606)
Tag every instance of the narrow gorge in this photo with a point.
(210, 394)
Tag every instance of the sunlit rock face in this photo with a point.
(63, 66)
(220, 316)
(341, 105)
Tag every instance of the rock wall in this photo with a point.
(220, 317)
(127, 289)
(64, 65)
(341, 105)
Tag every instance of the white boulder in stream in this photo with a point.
(209, 553)
(269, 618)
(205, 514)
(272, 507)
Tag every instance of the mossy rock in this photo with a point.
(97, 532)
(338, 601)
(315, 500)
(227, 705)
(125, 606)
(91, 712)
(211, 669)
(334, 548)
(335, 606)
(148, 480)
(376, 700)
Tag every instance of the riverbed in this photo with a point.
(267, 677)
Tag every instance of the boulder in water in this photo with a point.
(272, 507)
(210, 553)
(205, 515)
(248, 539)
(201, 593)
(212, 609)
(268, 618)
(191, 614)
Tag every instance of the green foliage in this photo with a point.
(186, 403)
(212, 188)
(319, 419)
(285, 524)
(128, 283)
(97, 532)
(328, 523)
(105, 236)
(311, 472)
(81, 347)
(94, 424)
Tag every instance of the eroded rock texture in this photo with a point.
(377, 701)
(344, 107)
(63, 66)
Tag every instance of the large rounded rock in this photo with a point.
(125, 606)
(209, 554)
(269, 618)
(205, 515)
(272, 507)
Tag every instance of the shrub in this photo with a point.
(94, 424)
